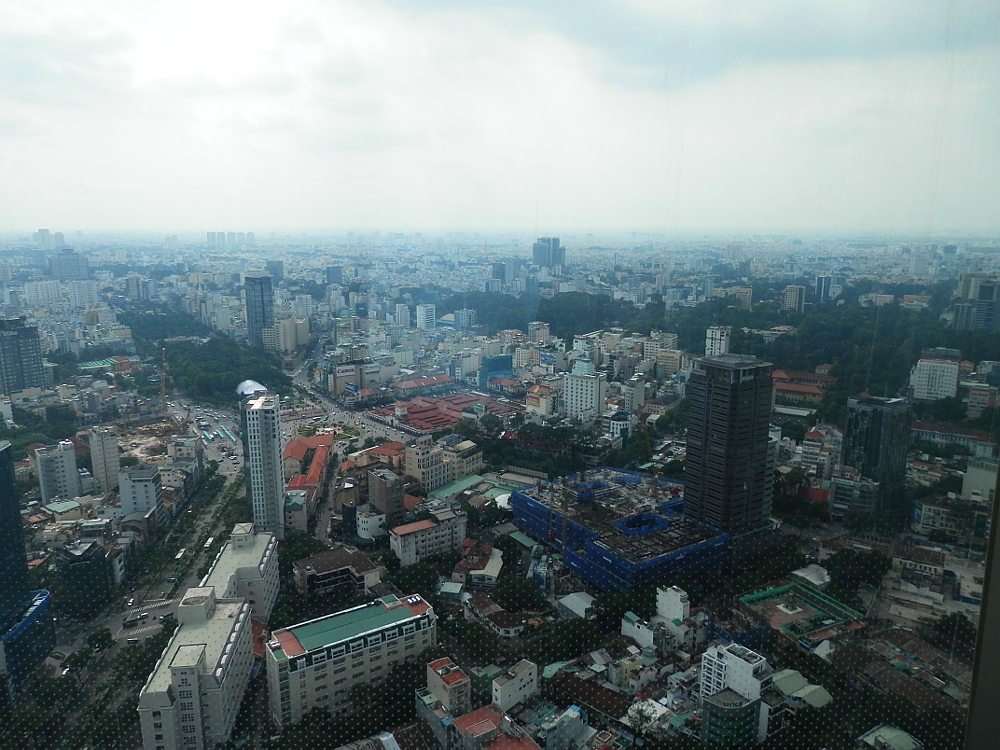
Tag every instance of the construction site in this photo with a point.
(619, 530)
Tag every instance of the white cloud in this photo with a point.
(364, 114)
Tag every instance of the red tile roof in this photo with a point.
(409, 528)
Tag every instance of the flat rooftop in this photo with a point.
(622, 510)
(341, 626)
(232, 559)
(207, 636)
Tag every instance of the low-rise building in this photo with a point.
(192, 696)
(315, 664)
(516, 685)
(442, 532)
(488, 728)
(247, 568)
(339, 572)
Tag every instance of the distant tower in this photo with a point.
(876, 438)
(547, 252)
(276, 268)
(403, 315)
(104, 457)
(20, 356)
(426, 317)
(794, 298)
(726, 480)
(823, 284)
(259, 307)
(717, 340)
(260, 413)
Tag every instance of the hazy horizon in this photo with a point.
(761, 117)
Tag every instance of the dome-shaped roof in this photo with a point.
(248, 387)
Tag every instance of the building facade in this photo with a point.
(933, 379)
(259, 307)
(426, 317)
(192, 696)
(140, 488)
(104, 457)
(316, 663)
(717, 340)
(876, 438)
(516, 685)
(726, 478)
(260, 413)
(247, 568)
(417, 541)
(57, 472)
(27, 631)
(385, 492)
(584, 395)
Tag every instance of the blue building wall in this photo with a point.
(602, 567)
(30, 640)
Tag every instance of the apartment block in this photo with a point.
(192, 696)
(247, 568)
(442, 532)
(516, 685)
(316, 663)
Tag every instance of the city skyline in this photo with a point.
(598, 115)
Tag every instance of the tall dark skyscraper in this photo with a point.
(547, 252)
(726, 478)
(13, 565)
(20, 356)
(260, 307)
(876, 436)
(27, 632)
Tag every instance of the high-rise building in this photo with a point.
(403, 315)
(584, 395)
(27, 631)
(465, 320)
(823, 284)
(334, 274)
(744, 298)
(191, 699)
(876, 438)
(726, 480)
(733, 680)
(84, 577)
(547, 252)
(69, 264)
(20, 356)
(57, 472)
(210, 239)
(13, 563)
(978, 305)
(260, 413)
(104, 457)
(932, 379)
(276, 268)
(794, 298)
(259, 307)
(426, 317)
(716, 340)
(385, 492)
(141, 489)
(332, 654)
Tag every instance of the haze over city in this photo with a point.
(710, 116)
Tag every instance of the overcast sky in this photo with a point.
(537, 115)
